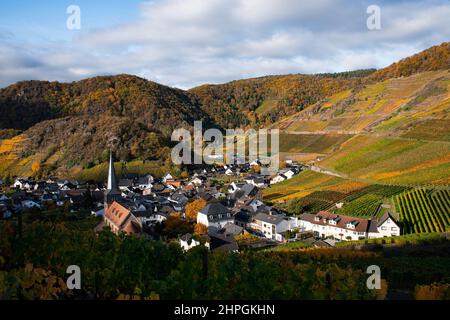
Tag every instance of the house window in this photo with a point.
(394, 228)
(383, 228)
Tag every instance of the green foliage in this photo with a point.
(314, 202)
(423, 210)
(112, 267)
(409, 239)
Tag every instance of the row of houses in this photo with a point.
(136, 204)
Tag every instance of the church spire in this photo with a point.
(112, 182)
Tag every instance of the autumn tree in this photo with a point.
(192, 208)
(184, 175)
(35, 167)
(174, 226)
(200, 229)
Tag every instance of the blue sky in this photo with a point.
(185, 43)
(46, 19)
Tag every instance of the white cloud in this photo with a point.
(190, 42)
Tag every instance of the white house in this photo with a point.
(167, 177)
(214, 215)
(289, 174)
(386, 226)
(259, 182)
(19, 183)
(233, 187)
(229, 172)
(187, 242)
(326, 224)
(278, 178)
(273, 225)
(145, 182)
(198, 180)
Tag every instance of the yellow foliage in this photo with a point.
(193, 208)
(200, 229)
(435, 291)
(184, 175)
(35, 167)
(175, 215)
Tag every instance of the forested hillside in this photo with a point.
(64, 125)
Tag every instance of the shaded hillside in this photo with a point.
(28, 102)
(149, 103)
(77, 122)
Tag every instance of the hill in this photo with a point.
(395, 130)
(433, 59)
(74, 124)
(263, 101)
(399, 112)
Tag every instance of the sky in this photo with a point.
(186, 43)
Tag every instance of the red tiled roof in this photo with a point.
(117, 214)
(342, 221)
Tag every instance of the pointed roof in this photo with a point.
(112, 180)
(386, 216)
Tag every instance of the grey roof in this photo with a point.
(143, 180)
(268, 218)
(125, 182)
(214, 209)
(384, 218)
(186, 237)
(143, 214)
(231, 229)
(243, 215)
(373, 228)
(248, 189)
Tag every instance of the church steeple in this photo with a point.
(112, 191)
(112, 182)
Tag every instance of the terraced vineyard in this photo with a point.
(423, 210)
(365, 202)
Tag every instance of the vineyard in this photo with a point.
(315, 202)
(366, 201)
(423, 210)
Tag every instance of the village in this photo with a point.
(224, 216)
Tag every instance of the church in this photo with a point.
(118, 215)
